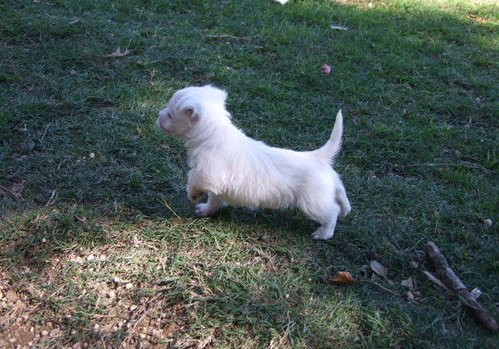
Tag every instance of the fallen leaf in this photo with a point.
(409, 283)
(410, 296)
(476, 293)
(343, 278)
(338, 27)
(379, 268)
(118, 53)
(326, 69)
(477, 19)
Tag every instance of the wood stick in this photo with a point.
(436, 280)
(449, 278)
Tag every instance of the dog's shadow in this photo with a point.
(289, 222)
(283, 224)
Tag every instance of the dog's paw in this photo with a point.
(203, 210)
(345, 210)
(195, 197)
(322, 234)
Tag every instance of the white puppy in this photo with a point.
(235, 169)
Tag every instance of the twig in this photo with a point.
(167, 205)
(448, 277)
(44, 133)
(386, 289)
(8, 192)
(50, 202)
(137, 318)
(436, 281)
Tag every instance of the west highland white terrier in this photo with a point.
(235, 169)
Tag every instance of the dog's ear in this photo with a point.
(190, 108)
(192, 114)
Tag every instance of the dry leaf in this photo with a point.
(326, 69)
(379, 268)
(409, 283)
(343, 278)
(118, 53)
(477, 19)
(476, 293)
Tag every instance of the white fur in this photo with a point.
(235, 169)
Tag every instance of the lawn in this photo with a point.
(99, 246)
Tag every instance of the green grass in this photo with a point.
(84, 172)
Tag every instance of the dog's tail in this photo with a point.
(332, 147)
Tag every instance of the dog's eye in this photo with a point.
(169, 116)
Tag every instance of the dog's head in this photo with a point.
(191, 109)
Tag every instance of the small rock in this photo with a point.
(44, 333)
(128, 286)
(487, 222)
(90, 257)
(91, 156)
(133, 307)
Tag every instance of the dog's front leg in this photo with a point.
(194, 191)
(212, 206)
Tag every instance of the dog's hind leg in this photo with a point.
(212, 206)
(326, 213)
(342, 200)
(326, 230)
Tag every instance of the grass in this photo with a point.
(98, 243)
